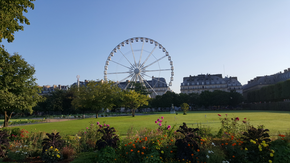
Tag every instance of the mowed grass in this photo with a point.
(275, 121)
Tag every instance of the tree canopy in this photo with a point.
(18, 89)
(134, 100)
(11, 14)
(96, 95)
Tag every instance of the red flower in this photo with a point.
(237, 119)
(219, 115)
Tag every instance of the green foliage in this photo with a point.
(276, 92)
(51, 155)
(280, 151)
(87, 157)
(4, 143)
(96, 95)
(11, 14)
(18, 89)
(106, 155)
(134, 100)
(184, 108)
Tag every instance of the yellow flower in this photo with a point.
(270, 161)
(246, 149)
(58, 156)
(260, 149)
(271, 154)
(51, 147)
(273, 151)
(162, 152)
(46, 150)
(56, 149)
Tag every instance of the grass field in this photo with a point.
(273, 120)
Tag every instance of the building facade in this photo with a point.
(47, 89)
(262, 81)
(156, 86)
(208, 82)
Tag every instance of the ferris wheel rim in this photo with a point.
(137, 71)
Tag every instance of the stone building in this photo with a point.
(208, 82)
(262, 81)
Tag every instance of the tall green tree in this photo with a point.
(11, 14)
(18, 89)
(133, 100)
(96, 95)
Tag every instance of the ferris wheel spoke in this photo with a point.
(149, 85)
(157, 81)
(129, 82)
(125, 57)
(125, 78)
(120, 72)
(120, 64)
(154, 62)
(156, 70)
(148, 56)
(141, 53)
(133, 54)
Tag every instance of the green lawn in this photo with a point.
(273, 120)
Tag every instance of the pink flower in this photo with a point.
(85, 132)
(162, 117)
(100, 126)
(155, 121)
(237, 119)
(160, 124)
(108, 125)
(104, 124)
(168, 127)
(245, 118)
(219, 115)
(87, 128)
(226, 114)
(244, 121)
(98, 123)
(158, 119)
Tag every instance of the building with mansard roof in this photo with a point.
(210, 82)
(262, 81)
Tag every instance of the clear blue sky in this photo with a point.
(235, 38)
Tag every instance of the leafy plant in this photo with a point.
(106, 155)
(258, 135)
(4, 143)
(51, 155)
(187, 145)
(280, 149)
(109, 137)
(53, 140)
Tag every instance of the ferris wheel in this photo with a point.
(140, 60)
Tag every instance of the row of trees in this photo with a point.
(276, 92)
(94, 97)
(205, 99)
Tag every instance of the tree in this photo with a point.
(96, 95)
(134, 100)
(11, 13)
(18, 89)
(139, 87)
(184, 108)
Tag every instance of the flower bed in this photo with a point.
(236, 142)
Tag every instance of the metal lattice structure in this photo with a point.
(134, 63)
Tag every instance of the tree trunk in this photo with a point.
(97, 115)
(6, 118)
(133, 112)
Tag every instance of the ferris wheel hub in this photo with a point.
(137, 71)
